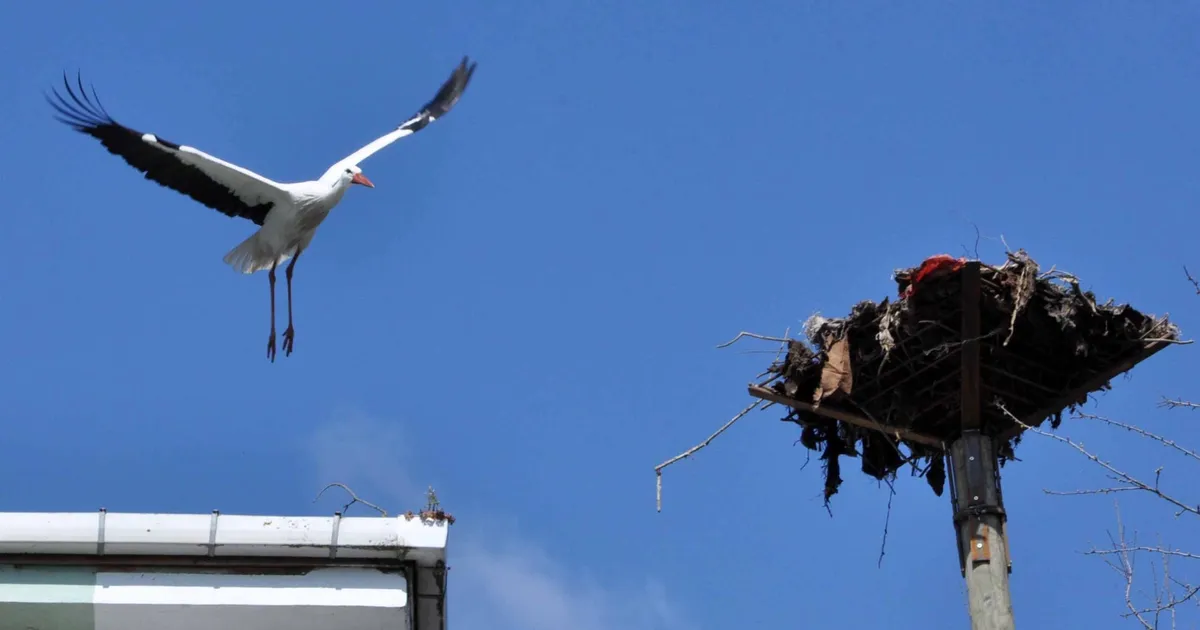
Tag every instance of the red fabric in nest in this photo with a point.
(933, 264)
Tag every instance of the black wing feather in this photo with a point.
(446, 97)
(85, 114)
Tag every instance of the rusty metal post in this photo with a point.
(978, 511)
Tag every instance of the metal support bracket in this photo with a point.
(980, 552)
(100, 534)
(977, 511)
(976, 492)
(212, 533)
(333, 543)
(975, 481)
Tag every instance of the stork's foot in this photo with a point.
(271, 347)
(289, 340)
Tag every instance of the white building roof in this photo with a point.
(222, 535)
(249, 571)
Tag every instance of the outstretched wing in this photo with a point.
(225, 187)
(439, 106)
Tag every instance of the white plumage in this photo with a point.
(288, 213)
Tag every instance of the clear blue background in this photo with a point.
(524, 312)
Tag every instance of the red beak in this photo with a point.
(362, 179)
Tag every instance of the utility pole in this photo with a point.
(1034, 375)
(978, 505)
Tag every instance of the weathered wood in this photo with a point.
(1092, 384)
(764, 393)
(969, 356)
(979, 516)
(980, 523)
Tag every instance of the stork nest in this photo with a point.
(1044, 344)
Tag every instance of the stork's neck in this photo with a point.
(332, 176)
(326, 191)
(335, 179)
(336, 189)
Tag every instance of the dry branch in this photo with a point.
(1195, 284)
(1176, 403)
(887, 521)
(692, 451)
(1142, 432)
(353, 498)
(763, 393)
(1160, 607)
(1121, 557)
(1158, 550)
(753, 336)
(1131, 482)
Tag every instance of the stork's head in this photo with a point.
(353, 175)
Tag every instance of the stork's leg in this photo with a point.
(289, 335)
(271, 339)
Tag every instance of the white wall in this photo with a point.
(82, 598)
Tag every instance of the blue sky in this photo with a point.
(524, 311)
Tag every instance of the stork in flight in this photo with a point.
(288, 214)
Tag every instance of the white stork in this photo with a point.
(288, 214)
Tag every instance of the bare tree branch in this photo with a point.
(1130, 481)
(887, 520)
(1142, 432)
(1071, 493)
(1175, 403)
(1163, 551)
(1159, 608)
(946, 347)
(1125, 568)
(691, 451)
(753, 335)
(1178, 342)
(353, 498)
(1165, 598)
(1195, 284)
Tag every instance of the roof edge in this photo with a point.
(216, 534)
